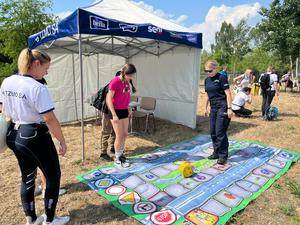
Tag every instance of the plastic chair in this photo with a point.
(146, 109)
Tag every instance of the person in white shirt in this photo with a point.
(239, 101)
(271, 91)
(28, 103)
(244, 80)
(287, 80)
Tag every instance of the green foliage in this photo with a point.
(288, 210)
(232, 43)
(294, 187)
(279, 30)
(19, 20)
(258, 60)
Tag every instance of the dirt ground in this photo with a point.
(86, 207)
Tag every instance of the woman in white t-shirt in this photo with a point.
(244, 80)
(239, 102)
(28, 103)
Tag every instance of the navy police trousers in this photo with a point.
(219, 123)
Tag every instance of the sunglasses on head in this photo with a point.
(208, 71)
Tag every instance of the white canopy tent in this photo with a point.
(89, 46)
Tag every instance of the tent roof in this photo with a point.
(117, 18)
(124, 10)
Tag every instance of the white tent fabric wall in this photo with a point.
(64, 85)
(174, 87)
(172, 79)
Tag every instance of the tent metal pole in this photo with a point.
(74, 86)
(81, 96)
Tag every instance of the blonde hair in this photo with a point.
(28, 56)
(212, 62)
(127, 69)
(270, 69)
(248, 71)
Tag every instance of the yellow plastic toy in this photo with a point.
(255, 89)
(186, 169)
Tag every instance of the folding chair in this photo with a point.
(146, 109)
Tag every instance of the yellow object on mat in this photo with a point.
(186, 169)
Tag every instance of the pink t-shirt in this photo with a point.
(121, 97)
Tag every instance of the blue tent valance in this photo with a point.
(90, 23)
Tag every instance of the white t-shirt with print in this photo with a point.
(24, 99)
(273, 79)
(239, 100)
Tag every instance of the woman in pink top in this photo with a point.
(117, 99)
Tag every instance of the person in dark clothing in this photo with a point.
(271, 91)
(218, 94)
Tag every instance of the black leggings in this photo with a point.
(267, 98)
(33, 146)
(243, 112)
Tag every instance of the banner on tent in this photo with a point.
(90, 23)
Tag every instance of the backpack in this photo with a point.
(272, 113)
(265, 82)
(100, 99)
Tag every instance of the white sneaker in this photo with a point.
(38, 220)
(61, 192)
(58, 220)
(122, 163)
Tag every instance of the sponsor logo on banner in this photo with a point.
(129, 28)
(48, 31)
(192, 38)
(155, 30)
(176, 35)
(99, 23)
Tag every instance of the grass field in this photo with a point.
(279, 205)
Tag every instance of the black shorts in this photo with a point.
(121, 113)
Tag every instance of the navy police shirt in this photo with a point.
(215, 86)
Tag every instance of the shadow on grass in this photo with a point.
(288, 115)
(76, 187)
(94, 214)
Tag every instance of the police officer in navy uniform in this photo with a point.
(27, 102)
(218, 94)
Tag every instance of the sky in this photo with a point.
(205, 16)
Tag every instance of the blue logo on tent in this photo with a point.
(129, 28)
(99, 23)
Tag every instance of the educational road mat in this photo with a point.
(153, 189)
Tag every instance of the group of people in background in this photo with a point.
(222, 107)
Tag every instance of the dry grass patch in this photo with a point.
(275, 206)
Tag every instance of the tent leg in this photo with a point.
(81, 97)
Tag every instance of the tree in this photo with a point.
(224, 41)
(18, 20)
(232, 43)
(279, 29)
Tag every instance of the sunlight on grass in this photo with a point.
(288, 210)
(294, 187)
